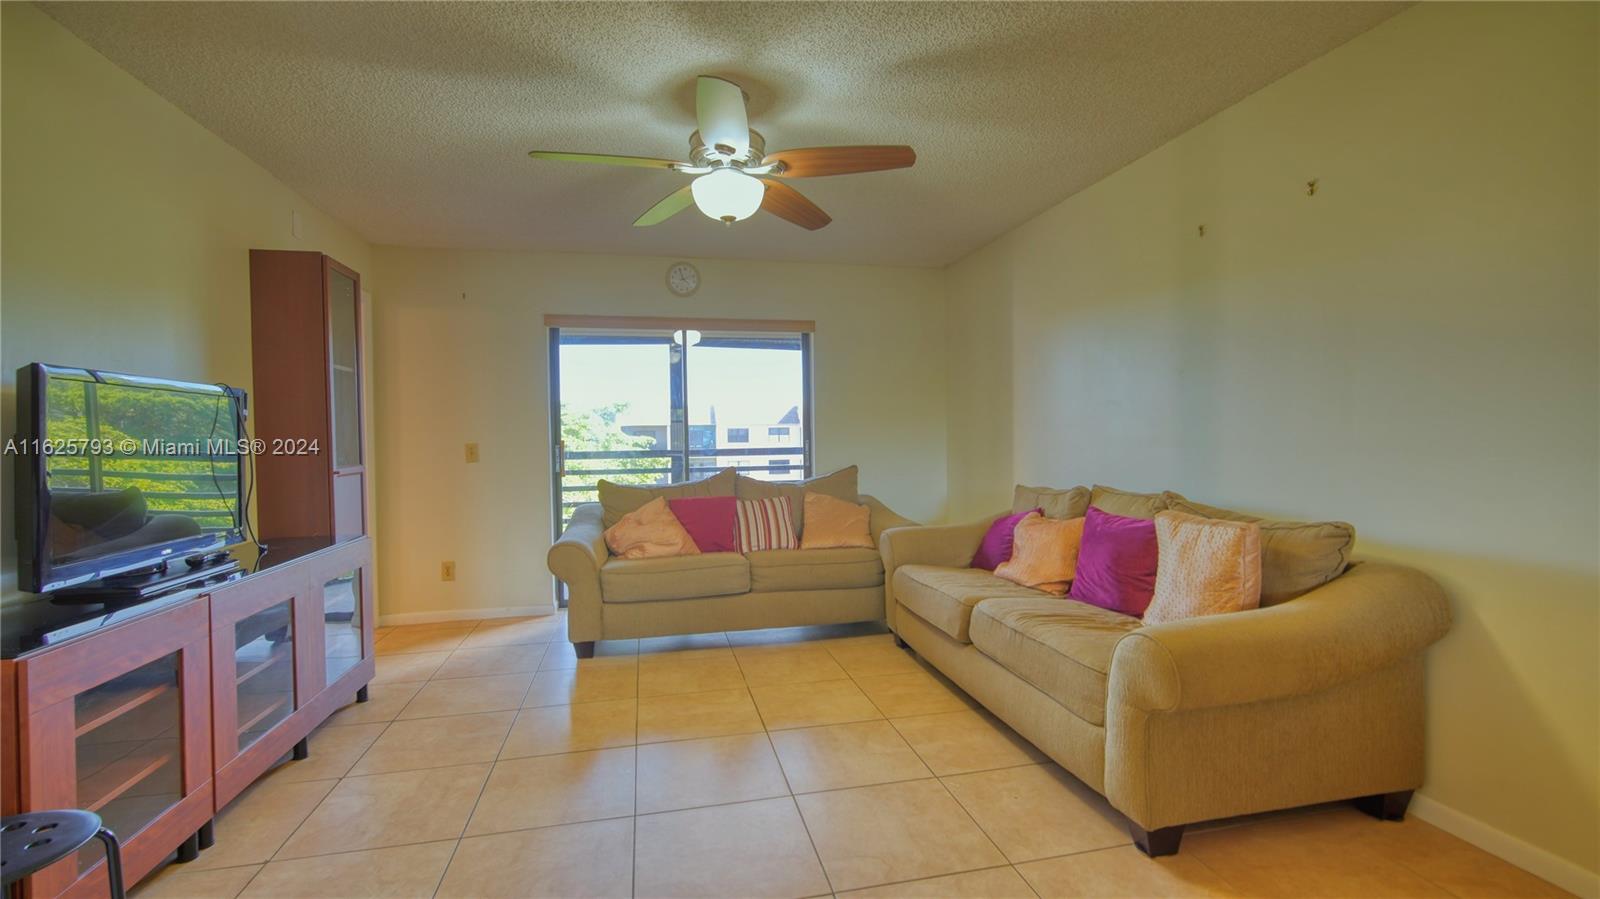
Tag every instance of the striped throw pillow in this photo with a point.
(766, 524)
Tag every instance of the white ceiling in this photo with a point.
(411, 121)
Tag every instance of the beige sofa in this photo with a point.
(612, 599)
(1314, 698)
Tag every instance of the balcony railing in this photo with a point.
(578, 480)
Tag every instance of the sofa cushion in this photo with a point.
(617, 500)
(678, 577)
(944, 597)
(815, 569)
(1296, 556)
(840, 484)
(1052, 503)
(1126, 504)
(1060, 646)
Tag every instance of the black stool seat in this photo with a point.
(36, 840)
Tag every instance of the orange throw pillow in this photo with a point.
(650, 532)
(1044, 553)
(831, 522)
(1206, 567)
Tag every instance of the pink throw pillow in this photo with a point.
(711, 520)
(1116, 563)
(999, 540)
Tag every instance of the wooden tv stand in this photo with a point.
(156, 714)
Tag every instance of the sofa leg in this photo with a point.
(900, 643)
(1158, 842)
(584, 649)
(1385, 806)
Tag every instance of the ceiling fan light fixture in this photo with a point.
(727, 195)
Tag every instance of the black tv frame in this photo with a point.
(35, 572)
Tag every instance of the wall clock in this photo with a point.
(683, 279)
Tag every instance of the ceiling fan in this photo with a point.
(734, 173)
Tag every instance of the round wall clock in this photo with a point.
(683, 279)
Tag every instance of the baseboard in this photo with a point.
(399, 618)
(1567, 875)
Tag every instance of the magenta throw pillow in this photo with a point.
(711, 520)
(1116, 563)
(998, 540)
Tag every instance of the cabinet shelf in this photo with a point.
(122, 775)
(276, 704)
(116, 705)
(280, 653)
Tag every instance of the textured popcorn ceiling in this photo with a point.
(411, 121)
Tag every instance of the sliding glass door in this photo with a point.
(657, 406)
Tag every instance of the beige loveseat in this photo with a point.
(613, 599)
(1314, 697)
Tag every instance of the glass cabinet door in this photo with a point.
(343, 334)
(264, 670)
(341, 615)
(128, 746)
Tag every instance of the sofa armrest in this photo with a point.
(575, 558)
(883, 517)
(950, 545)
(1368, 619)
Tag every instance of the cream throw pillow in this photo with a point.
(1296, 556)
(650, 532)
(1205, 567)
(832, 522)
(1044, 553)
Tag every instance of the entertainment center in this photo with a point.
(180, 653)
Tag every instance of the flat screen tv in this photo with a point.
(120, 473)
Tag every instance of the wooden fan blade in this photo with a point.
(814, 162)
(790, 205)
(605, 159)
(670, 205)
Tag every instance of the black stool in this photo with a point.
(37, 840)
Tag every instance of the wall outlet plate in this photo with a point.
(472, 452)
(447, 571)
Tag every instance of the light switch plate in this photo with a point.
(447, 571)
(472, 452)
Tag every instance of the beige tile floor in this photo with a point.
(491, 762)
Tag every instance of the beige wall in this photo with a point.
(1413, 349)
(463, 357)
(126, 227)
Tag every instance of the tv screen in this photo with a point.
(121, 472)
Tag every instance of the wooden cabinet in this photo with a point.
(289, 646)
(305, 334)
(158, 714)
(120, 724)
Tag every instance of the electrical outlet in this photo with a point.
(447, 571)
(472, 452)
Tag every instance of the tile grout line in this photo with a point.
(633, 843)
(793, 800)
(482, 788)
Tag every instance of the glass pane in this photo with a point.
(346, 383)
(616, 413)
(341, 616)
(747, 405)
(264, 665)
(130, 767)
